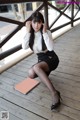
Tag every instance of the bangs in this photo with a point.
(36, 19)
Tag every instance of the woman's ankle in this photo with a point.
(55, 97)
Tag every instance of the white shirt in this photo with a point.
(37, 47)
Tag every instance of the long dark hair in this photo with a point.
(36, 17)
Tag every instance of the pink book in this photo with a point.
(26, 85)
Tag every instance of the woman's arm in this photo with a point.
(48, 40)
(26, 29)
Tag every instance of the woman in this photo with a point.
(39, 39)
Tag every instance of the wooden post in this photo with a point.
(34, 5)
(21, 11)
(46, 13)
(72, 14)
(14, 11)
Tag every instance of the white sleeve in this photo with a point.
(25, 40)
(48, 40)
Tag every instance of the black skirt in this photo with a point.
(50, 58)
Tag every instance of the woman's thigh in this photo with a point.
(42, 65)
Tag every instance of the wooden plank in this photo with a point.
(11, 116)
(65, 85)
(33, 108)
(69, 56)
(12, 76)
(65, 69)
(69, 63)
(21, 113)
(73, 83)
(65, 75)
(32, 97)
(71, 94)
(69, 70)
(62, 81)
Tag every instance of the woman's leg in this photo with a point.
(32, 74)
(40, 69)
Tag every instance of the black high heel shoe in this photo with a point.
(56, 105)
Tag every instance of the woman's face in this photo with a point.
(36, 26)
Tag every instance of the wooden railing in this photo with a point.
(44, 5)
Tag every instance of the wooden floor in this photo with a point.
(66, 78)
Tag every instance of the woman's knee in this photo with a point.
(36, 68)
(31, 73)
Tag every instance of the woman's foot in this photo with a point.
(56, 101)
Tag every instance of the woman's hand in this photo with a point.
(28, 26)
(44, 28)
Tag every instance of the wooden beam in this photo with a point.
(9, 52)
(46, 13)
(17, 1)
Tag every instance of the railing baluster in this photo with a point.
(72, 13)
(46, 13)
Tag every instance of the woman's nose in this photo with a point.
(36, 24)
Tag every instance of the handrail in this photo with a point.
(18, 1)
(10, 21)
(45, 4)
(10, 51)
(21, 24)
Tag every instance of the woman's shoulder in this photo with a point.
(49, 32)
(23, 28)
